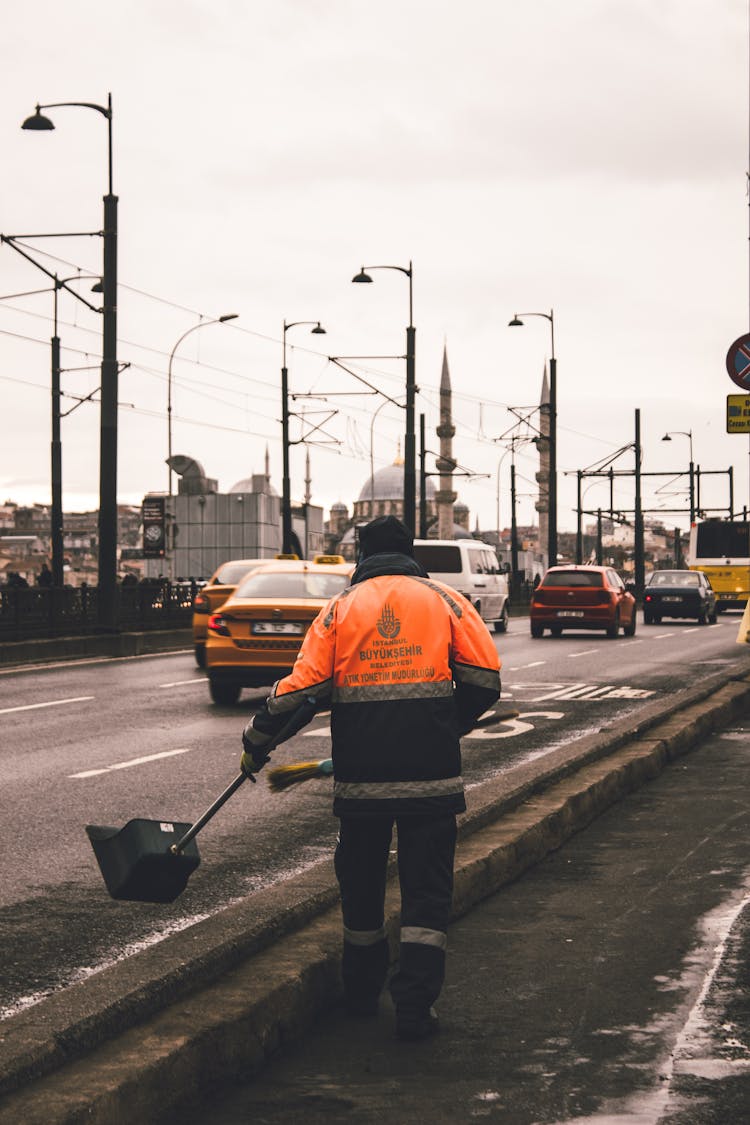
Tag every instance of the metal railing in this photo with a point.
(67, 611)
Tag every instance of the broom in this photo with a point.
(282, 777)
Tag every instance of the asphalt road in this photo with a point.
(103, 741)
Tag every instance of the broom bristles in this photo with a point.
(283, 776)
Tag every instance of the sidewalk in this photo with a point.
(215, 1003)
(567, 991)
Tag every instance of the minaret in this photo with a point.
(445, 497)
(308, 480)
(542, 444)
(268, 468)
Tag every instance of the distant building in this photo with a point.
(205, 527)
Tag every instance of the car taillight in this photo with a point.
(218, 625)
(647, 598)
(201, 604)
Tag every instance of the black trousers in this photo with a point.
(426, 850)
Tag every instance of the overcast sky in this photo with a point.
(586, 156)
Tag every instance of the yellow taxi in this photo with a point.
(254, 637)
(220, 585)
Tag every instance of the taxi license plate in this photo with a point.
(275, 628)
(570, 613)
(671, 598)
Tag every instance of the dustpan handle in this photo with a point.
(299, 718)
(195, 828)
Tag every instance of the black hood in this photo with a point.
(387, 563)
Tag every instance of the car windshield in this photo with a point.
(230, 573)
(573, 578)
(307, 584)
(674, 578)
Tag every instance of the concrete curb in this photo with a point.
(214, 1002)
(49, 650)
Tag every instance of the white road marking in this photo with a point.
(512, 727)
(179, 683)
(534, 664)
(587, 652)
(52, 703)
(660, 636)
(132, 762)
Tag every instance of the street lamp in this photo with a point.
(107, 577)
(194, 328)
(689, 435)
(410, 447)
(517, 322)
(286, 499)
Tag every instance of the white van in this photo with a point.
(471, 567)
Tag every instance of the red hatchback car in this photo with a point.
(582, 597)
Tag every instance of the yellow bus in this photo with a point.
(721, 549)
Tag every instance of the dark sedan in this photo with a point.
(678, 593)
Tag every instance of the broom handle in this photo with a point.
(287, 730)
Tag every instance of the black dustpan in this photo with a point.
(152, 860)
(137, 862)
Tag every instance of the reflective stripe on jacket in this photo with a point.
(407, 663)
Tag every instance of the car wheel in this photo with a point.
(657, 620)
(537, 630)
(629, 630)
(224, 694)
(712, 618)
(501, 626)
(200, 655)
(614, 628)
(702, 619)
(647, 618)
(556, 630)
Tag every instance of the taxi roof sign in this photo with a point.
(738, 414)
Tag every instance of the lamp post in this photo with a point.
(410, 448)
(194, 328)
(107, 577)
(517, 322)
(286, 498)
(689, 435)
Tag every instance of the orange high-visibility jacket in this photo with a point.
(407, 664)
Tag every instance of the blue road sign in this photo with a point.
(738, 362)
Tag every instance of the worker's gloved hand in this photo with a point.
(254, 743)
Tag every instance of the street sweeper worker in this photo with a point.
(407, 666)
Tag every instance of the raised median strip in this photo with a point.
(43, 650)
(211, 1004)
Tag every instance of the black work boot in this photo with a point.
(362, 1007)
(412, 1026)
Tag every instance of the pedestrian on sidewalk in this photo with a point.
(406, 666)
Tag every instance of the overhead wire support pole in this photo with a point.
(286, 497)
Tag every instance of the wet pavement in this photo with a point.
(610, 984)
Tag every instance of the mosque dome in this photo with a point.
(388, 484)
(258, 482)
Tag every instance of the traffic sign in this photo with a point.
(738, 414)
(738, 362)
